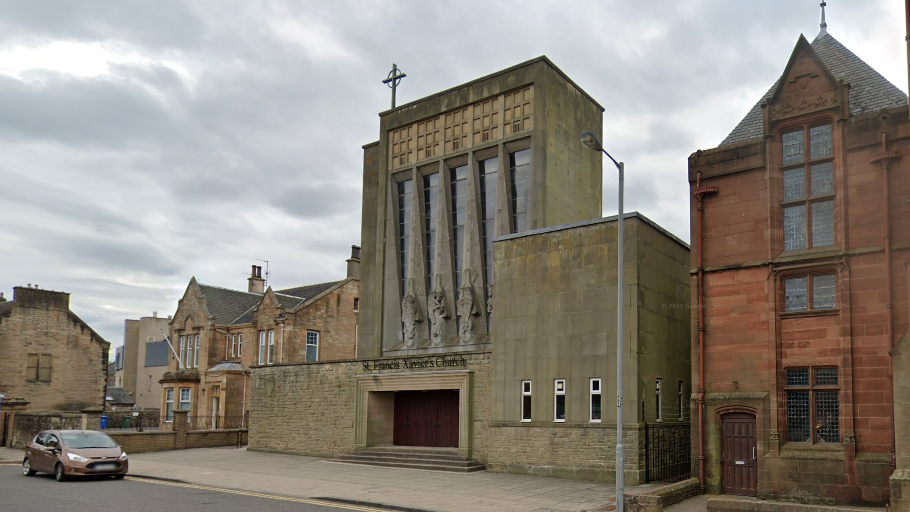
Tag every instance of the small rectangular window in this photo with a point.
(525, 400)
(184, 399)
(813, 405)
(44, 368)
(271, 346)
(312, 345)
(356, 303)
(31, 370)
(261, 347)
(682, 402)
(169, 404)
(659, 402)
(812, 292)
(560, 405)
(596, 403)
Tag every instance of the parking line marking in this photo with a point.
(257, 494)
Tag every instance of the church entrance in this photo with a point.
(426, 418)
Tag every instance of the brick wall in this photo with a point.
(40, 322)
(143, 442)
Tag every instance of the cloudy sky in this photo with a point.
(142, 143)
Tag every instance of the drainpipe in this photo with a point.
(699, 194)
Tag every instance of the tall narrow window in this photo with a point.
(182, 351)
(596, 394)
(525, 400)
(806, 423)
(459, 187)
(659, 401)
(356, 304)
(559, 409)
(431, 210)
(520, 167)
(169, 404)
(188, 362)
(184, 399)
(682, 402)
(233, 338)
(488, 171)
(271, 346)
(196, 353)
(808, 198)
(239, 344)
(262, 347)
(405, 193)
(312, 345)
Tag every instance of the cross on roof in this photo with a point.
(393, 80)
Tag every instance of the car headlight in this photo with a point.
(77, 458)
(123, 456)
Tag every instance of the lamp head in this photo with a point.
(590, 140)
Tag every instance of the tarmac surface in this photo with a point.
(408, 489)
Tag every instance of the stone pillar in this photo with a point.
(900, 479)
(91, 418)
(180, 428)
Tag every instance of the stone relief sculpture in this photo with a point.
(410, 315)
(438, 307)
(467, 308)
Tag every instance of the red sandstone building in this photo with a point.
(800, 239)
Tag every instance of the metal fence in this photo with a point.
(668, 453)
(131, 420)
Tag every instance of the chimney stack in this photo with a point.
(257, 283)
(354, 263)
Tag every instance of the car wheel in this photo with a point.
(60, 473)
(119, 477)
(27, 468)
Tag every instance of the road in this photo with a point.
(41, 493)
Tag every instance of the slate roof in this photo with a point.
(6, 306)
(234, 307)
(307, 292)
(228, 365)
(119, 396)
(869, 91)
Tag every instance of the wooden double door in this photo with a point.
(739, 459)
(426, 418)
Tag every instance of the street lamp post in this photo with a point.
(591, 141)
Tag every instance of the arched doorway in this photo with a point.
(739, 456)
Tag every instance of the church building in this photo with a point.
(487, 326)
(801, 241)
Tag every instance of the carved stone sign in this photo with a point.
(416, 363)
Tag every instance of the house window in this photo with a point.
(312, 345)
(271, 346)
(525, 400)
(196, 354)
(356, 304)
(520, 167)
(39, 367)
(682, 402)
(405, 193)
(659, 401)
(261, 347)
(808, 181)
(810, 292)
(233, 338)
(488, 170)
(239, 345)
(182, 351)
(169, 404)
(184, 399)
(560, 399)
(813, 407)
(596, 395)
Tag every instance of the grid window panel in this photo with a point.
(798, 377)
(795, 227)
(827, 412)
(796, 296)
(798, 416)
(824, 294)
(820, 141)
(826, 376)
(431, 208)
(822, 223)
(405, 192)
(793, 147)
(822, 178)
(794, 184)
(520, 166)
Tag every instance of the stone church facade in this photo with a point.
(489, 295)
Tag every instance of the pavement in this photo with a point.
(308, 477)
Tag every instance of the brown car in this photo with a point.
(68, 453)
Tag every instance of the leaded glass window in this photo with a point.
(430, 215)
(488, 172)
(813, 409)
(459, 191)
(824, 294)
(813, 292)
(405, 193)
(808, 185)
(796, 294)
(520, 171)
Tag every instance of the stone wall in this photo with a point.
(26, 424)
(319, 399)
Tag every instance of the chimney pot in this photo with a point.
(253, 273)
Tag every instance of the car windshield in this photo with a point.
(88, 440)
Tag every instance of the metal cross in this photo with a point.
(393, 80)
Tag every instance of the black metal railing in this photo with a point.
(668, 453)
(131, 420)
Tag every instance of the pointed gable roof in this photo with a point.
(309, 291)
(227, 305)
(869, 90)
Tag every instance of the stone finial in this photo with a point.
(823, 25)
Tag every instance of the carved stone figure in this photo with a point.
(438, 307)
(410, 315)
(467, 308)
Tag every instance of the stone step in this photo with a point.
(410, 455)
(428, 467)
(415, 449)
(356, 457)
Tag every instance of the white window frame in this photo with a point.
(233, 340)
(271, 351)
(596, 389)
(182, 350)
(308, 344)
(559, 390)
(169, 405)
(659, 400)
(240, 344)
(196, 354)
(261, 347)
(526, 390)
(188, 401)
